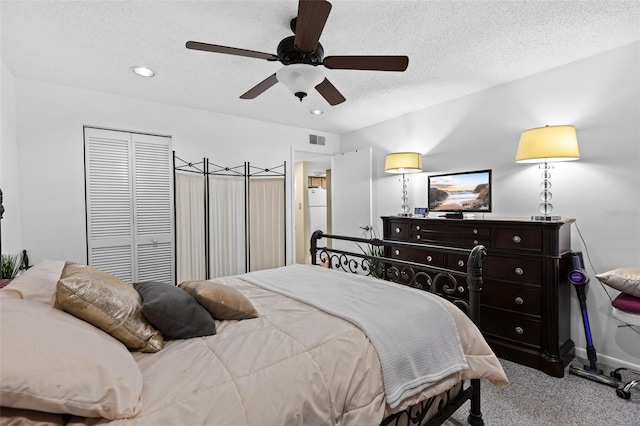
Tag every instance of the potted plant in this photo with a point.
(375, 266)
(10, 265)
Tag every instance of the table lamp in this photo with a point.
(403, 163)
(545, 145)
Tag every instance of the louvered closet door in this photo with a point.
(109, 202)
(153, 201)
(129, 188)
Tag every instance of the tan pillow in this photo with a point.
(222, 302)
(38, 283)
(56, 363)
(108, 303)
(626, 280)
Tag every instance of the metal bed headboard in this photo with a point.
(434, 279)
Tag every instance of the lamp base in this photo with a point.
(546, 218)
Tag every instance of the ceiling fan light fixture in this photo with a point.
(300, 79)
(143, 71)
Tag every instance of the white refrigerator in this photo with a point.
(317, 210)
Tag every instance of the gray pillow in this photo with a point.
(173, 311)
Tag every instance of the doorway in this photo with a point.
(348, 195)
(312, 199)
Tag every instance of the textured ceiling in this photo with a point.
(455, 48)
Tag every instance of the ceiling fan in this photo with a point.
(302, 53)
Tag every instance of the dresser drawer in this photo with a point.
(428, 257)
(451, 235)
(398, 231)
(519, 239)
(513, 298)
(451, 240)
(457, 262)
(401, 253)
(516, 270)
(459, 230)
(512, 326)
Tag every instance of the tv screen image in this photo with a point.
(460, 192)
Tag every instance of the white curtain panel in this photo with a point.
(266, 198)
(227, 216)
(190, 236)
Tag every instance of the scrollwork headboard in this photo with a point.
(377, 260)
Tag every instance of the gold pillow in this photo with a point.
(107, 303)
(626, 280)
(222, 302)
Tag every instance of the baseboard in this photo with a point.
(610, 361)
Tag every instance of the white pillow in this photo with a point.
(38, 283)
(57, 363)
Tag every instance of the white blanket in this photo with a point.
(414, 336)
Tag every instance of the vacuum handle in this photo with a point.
(577, 276)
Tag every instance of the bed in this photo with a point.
(284, 352)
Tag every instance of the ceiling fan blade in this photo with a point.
(370, 63)
(312, 15)
(259, 88)
(330, 93)
(196, 45)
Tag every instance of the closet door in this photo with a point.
(109, 200)
(129, 197)
(153, 207)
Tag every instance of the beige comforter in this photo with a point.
(294, 365)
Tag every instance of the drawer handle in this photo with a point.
(519, 271)
(429, 258)
(519, 300)
(417, 227)
(517, 239)
(397, 230)
(397, 252)
(475, 232)
(519, 330)
(417, 237)
(460, 262)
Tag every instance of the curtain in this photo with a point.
(267, 213)
(190, 236)
(227, 226)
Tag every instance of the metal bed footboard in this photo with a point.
(375, 259)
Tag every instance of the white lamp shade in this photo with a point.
(300, 78)
(550, 143)
(403, 162)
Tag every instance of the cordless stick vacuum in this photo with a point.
(579, 279)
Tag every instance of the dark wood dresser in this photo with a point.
(525, 310)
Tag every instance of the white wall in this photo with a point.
(11, 239)
(50, 120)
(599, 95)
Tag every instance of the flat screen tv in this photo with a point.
(458, 193)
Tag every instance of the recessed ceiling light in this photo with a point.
(317, 111)
(143, 71)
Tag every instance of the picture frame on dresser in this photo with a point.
(525, 315)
